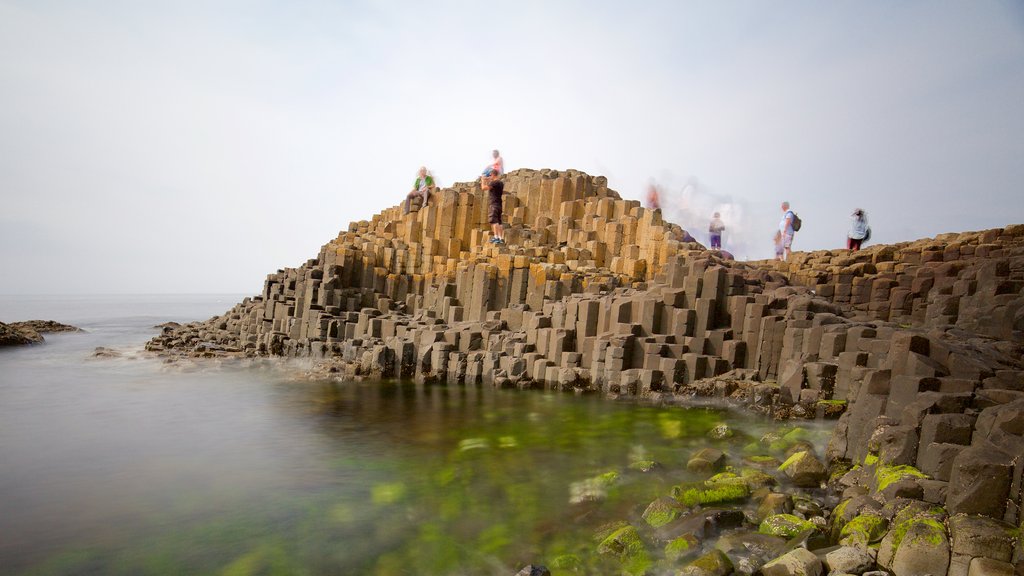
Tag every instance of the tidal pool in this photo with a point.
(133, 466)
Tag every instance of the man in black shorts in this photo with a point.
(495, 187)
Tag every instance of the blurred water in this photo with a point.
(136, 466)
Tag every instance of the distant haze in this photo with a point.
(157, 147)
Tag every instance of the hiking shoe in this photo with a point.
(493, 240)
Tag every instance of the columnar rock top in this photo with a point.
(917, 348)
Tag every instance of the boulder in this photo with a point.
(982, 536)
(798, 562)
(714, 563)
(850, 560)
(532, 570)
(706, 460)
(774, 503)
(989, 567)
(785, 525)
(922, 548)
(979, 482)
(804, 470)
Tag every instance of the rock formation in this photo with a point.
(918, 346)
(30, 331)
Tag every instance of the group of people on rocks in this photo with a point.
(859, 231)
(490, 182)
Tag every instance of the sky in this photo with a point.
(196, 146)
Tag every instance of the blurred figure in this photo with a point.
(497, 165)
(653, 201)
(494, 187)
(423, 185)
(786, 229)
(859, 230)
(780, 249)
(715, 229)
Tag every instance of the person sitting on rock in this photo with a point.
(494, 187)
(423, 186)
(497, 166)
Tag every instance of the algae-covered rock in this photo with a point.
(798, 562)
(661, 512)
(567, 563)
(804, 470)
(785, 525)
(721, 431)
(702, 494)
(681, 547)
(626, 545)
(749, 477)
(592, 489)
(706, 460)
(885, 476)
(644, 466)
(714, 563)
(867, 528)
(922, 549)
(749, 551)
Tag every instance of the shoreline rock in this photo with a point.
(915, 350)
(30, 331)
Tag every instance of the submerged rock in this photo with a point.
(785, 525)
(714, 563)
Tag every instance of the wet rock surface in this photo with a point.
(913, 350)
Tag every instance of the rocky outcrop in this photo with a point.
(916, 348)
(11, 335)
(30, 331)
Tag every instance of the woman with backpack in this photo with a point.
(860, 232)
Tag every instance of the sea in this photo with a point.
(135, 464)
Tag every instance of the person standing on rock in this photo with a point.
(859, 230)
(786, 229)
(653, 198)
(494, 187)
(715, 230)
(423, 185)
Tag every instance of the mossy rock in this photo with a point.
(606, 530)
(626, 545)
(704, 494)
(567, 563)
(661, 512)
(714, 563)
(644, 466)
(721, 431)
(785, 525)
(681, 547)
(887, 475)
(804, 469)
(864, 529)
(763, 461)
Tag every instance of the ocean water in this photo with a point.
(133, 465)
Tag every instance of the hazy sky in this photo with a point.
(195, 146)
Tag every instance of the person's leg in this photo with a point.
(408, 200)
(501, 232)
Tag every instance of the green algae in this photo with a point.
(871, 460)
(681, 547)
(934, 536)
(785, 525)
(703, 494)
(714, 562)
(626, 545)
(661, 512)
(886, 475)
(643, 465)
(796, 457)
(864, 529)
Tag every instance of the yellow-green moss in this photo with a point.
(793, 459)
(864, 529)
(625, 543)
(886, 475)
(935, 535)
(661, 512)
(871, 460)
(643, 465)
(702, 494)
(680, 547)
(785, 525)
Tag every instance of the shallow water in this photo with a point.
(134, 466)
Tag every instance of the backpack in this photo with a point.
(867, 234)
(797, 222)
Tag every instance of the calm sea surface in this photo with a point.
(132, 465)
